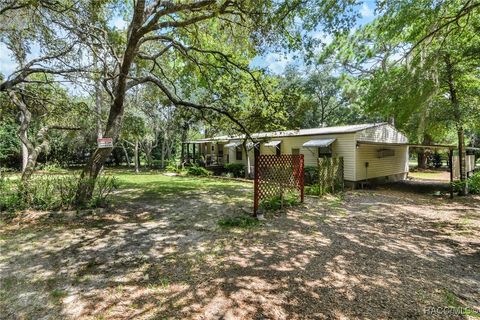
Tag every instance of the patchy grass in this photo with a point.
(430, 175)
(242, 221)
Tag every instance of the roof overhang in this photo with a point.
(272, 144)
(319, 143)
(411, 145)
(233, 144)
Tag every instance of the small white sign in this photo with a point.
(105, 143)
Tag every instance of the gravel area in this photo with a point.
(369, 254)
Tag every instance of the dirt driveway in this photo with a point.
(365, 255)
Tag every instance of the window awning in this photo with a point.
(272, 143)
(233, 144)
(319, 143)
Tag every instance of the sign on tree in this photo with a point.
(105, 143)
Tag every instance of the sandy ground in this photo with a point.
(373, 254)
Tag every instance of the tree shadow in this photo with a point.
(368, 255)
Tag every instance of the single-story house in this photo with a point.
(370, 151)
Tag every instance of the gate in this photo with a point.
(276, 175)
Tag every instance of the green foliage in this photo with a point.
(51, 167)
(277, 202)
(473, 184)
(236, 169)
(311, 175)
(50, 192)
(9, 142)
(198, 171)
(243, 221)
(313, 190)
(173, 168)
(330, 175)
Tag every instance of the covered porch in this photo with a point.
(204, 152)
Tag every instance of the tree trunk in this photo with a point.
(135, 157)
(462, 157)
(23, 137)
(421, 159)
(98, 103)
(30, 166)
(126, 155)
(162, 152)
(421, 155)
(459, 123)
(29, 152)
(115, 117)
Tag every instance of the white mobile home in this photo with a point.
(370, 151)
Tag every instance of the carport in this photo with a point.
(452, 161)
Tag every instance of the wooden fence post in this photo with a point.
(255, 186)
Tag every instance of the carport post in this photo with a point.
(450, 160)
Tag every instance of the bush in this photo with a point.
(313, 190)
(172, 168)
(47, 192)
(275, 203)
(311, 175)
(473, 184)
(198, 171)
(8, 197)
(236, 169)
(238, 222)
(157, 164)
(51, 167)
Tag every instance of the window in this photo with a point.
(295, 151)
(278, 149)
(238, 153)
(213, 147)
(220, 150)
(325, 152)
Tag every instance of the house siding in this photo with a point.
(344, 146)
(380, 167)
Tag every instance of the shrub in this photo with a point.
(313, 190)
(104, 187)
(172, 168)
(46, 192)
(275, 203)
(473, 184)
(311, 175)
(236, 169)
(52, 167)
(157, 164)
(9, 198)
(243, 221)
(198, 171)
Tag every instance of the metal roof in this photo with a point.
(300, 132)
(319, 143)
(316, 131)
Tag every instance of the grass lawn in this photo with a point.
(430, 175)
(181, 248)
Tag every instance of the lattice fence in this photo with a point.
(276, 176)
(330, 175)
